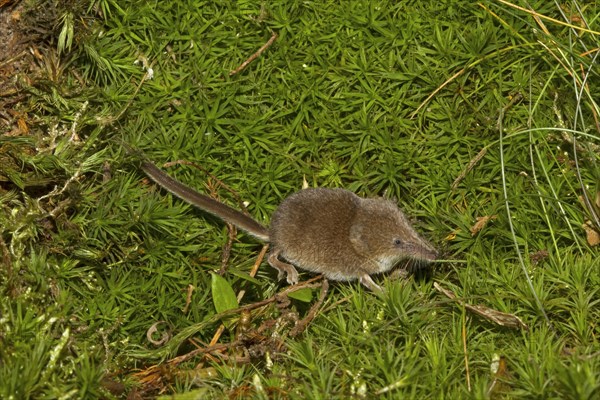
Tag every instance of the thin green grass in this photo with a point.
(383, 98)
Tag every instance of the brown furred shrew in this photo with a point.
(329, 231)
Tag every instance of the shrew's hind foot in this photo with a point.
(285, 269)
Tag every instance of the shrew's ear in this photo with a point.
(357, 239)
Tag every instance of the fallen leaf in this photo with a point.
(481, 222)
(592, 235)
(23, 126)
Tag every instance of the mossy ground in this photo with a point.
(382, 98)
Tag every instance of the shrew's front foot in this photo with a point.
(368, 282)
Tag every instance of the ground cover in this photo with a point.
(480, 119)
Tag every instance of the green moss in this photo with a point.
(384, 98)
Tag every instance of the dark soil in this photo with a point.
(20, 55)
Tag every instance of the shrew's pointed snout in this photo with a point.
(424, 252)
(431, 254)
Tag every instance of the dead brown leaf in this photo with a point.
(498, 317)
(481, 222)
(22, 124)
(592, 235)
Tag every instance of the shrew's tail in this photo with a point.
(205, 203)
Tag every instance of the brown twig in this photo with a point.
(12, 59)
(498, 317)
(516, 98)
(470, 166)
(147, 75)
(188, 298)
(465, 352)
(255, 55)
(259, 260)
(456, 75)
(153, 373)
(226, 251)
(302, 324)
(436, 91)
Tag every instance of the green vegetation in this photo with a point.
(380, 97)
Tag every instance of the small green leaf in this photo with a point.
(304, 295)
(223, 295)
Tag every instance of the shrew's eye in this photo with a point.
(398, 242)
